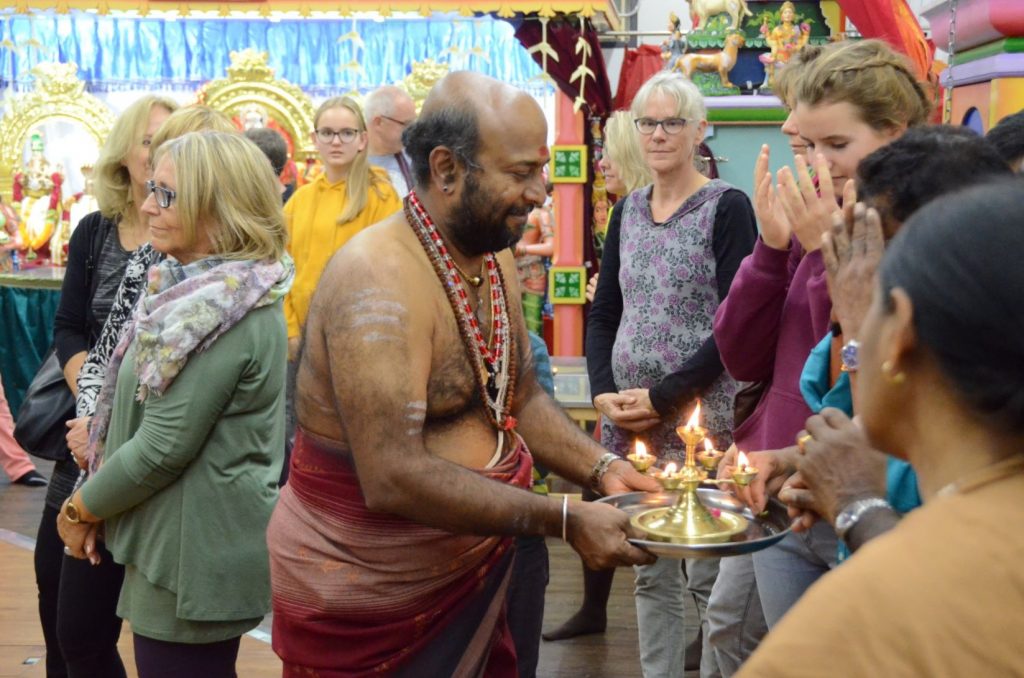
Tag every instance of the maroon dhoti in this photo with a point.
(357, 592)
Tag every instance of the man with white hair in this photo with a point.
(389, 110)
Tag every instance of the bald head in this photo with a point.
(465, 111)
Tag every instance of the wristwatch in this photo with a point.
(71, 512)
(854, 511)
(850, 355)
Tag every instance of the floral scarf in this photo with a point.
(184, 309)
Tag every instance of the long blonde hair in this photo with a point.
(224, 182)
(361, 177)
(869, 75)
(622, 144)
(112, 184)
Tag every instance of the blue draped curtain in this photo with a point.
(120, 53)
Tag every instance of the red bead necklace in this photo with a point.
(494, 360)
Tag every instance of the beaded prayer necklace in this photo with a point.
(495, 366)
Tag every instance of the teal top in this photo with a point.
(901, 480)
(188, 483)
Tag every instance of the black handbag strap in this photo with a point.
(96, 241)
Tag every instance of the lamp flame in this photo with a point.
(670, 469)
(641, 450)
(742, 461)
(708, 447)
(694, 421)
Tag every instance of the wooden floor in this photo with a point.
(610, 655)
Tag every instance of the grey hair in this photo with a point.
(381, 101)
(689, 100)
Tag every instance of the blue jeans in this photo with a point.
(735, 621)
(789, 568)
(660, 596)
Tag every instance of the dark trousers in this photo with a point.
(526, 601)
(77, 608)
(163, 659)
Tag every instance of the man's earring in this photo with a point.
(890, 373)
(444, 188)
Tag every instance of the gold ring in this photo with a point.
(802, 441)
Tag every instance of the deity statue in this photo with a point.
(8, 224)
(253, 116)
(785, 39)
(533, 254)
(675, 46)
(37, 197)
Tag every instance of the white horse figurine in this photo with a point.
(705, 9)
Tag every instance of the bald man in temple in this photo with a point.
(418, 411)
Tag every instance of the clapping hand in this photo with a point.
(808, 209)
(776, 230)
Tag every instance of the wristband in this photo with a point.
(600, 468)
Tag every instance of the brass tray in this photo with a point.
(762, 531)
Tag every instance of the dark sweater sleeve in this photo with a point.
(732, 240)
(605, 313)
(71, 325)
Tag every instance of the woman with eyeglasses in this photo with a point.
(189, 426)
(667, 264)
(100, 250)
(345, 198)
(85, 609)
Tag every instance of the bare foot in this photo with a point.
(582, 623)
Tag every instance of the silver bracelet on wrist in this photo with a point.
(851, 514)
(565, 514)
(600, 468)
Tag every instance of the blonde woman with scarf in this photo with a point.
(187, 441)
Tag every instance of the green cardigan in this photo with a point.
(188, 483)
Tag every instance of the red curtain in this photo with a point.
(894, 22)
(638, 66)
(563, 36)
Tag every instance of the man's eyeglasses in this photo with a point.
(670, 125)
(401, 123)
(164, 196)
(347, 135)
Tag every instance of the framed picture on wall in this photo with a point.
(568, 165)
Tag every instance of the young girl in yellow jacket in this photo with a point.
(326, 213)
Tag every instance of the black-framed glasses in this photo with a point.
(346, 136)
(670, 125)
(164, 196)
(401, 123)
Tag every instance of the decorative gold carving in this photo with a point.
(251, 88)
(58, 93)
(422, 79)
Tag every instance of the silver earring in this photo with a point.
(444, 189)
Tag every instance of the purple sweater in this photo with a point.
(777, 310)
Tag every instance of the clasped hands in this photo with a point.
(629, 409)
(79, 538)
(832, 465)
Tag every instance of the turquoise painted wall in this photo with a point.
(741, 144)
